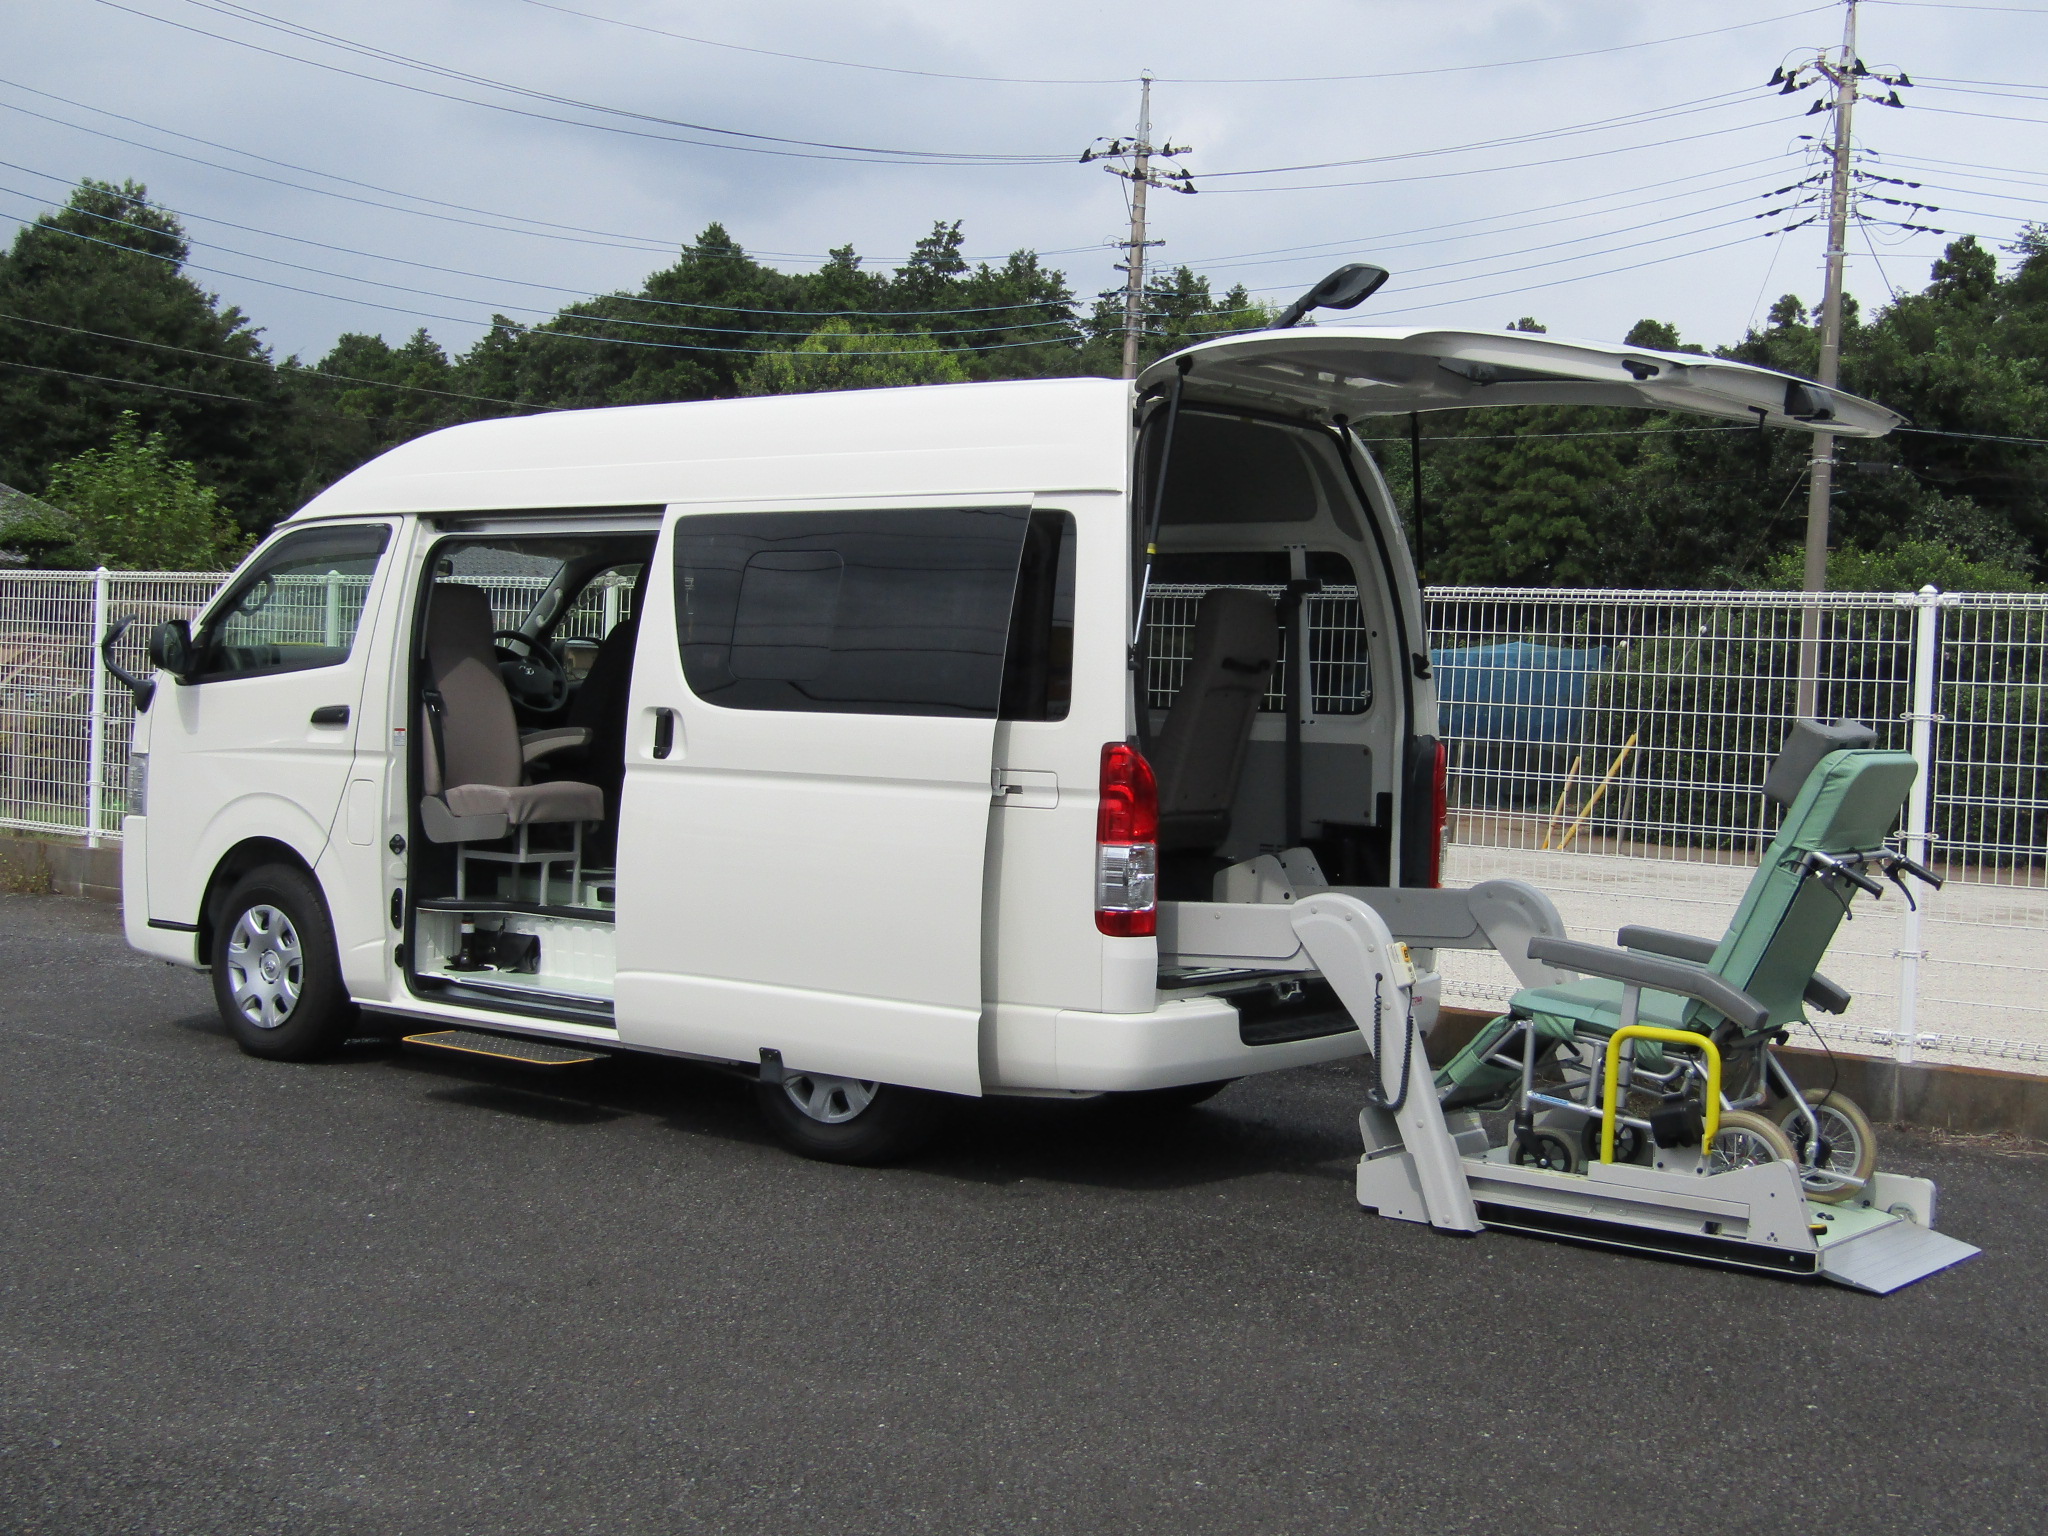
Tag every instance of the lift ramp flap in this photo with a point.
(1892, 1257)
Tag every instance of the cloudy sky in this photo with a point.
(385, 164)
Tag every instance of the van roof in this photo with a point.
(938, 440)
(1353, 371)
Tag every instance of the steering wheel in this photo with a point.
(533, 674)
(258, 597)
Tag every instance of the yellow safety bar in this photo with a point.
(1611, 1116)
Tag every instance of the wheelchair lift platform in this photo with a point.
(1424, 1166)
(1754, 1218)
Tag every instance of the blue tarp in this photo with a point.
(1519, 691)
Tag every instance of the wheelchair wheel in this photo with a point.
(1850, 1146)
(1745, 1140)
(1551, 1150)
(1630, 1144)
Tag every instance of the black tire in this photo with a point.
(870, 1123)
(1553, 1151)
(1630, 1144)
(1169, 1100)
(276, 977)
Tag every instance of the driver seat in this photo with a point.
(473, 760)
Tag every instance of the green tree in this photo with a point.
(836, 356)
(84, 292)
(137, 508)
(1905, 567)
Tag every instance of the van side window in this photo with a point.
(1038, 671)
(873, 613)
(297, 608)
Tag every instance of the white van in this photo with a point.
(881, 745)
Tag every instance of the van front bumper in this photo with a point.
(179, 944)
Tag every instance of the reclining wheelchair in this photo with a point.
(1613, 1068)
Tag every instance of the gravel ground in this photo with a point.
(392, 1294)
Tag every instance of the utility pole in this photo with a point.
(1843, 74)
(1139, 152)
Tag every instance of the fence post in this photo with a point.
(1921, 714)
(330, 618)
(96, 726)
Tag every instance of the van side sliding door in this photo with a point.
(807, 789)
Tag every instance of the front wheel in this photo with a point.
(846, 1119)
(275, 975)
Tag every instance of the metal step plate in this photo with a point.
(535, 1053)
(1891, 1257)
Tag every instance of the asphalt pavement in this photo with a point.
(395, 1294)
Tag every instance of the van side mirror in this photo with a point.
(170, 647)
(142, 689)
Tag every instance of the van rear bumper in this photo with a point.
(1191, 1041)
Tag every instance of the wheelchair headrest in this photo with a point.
(1809, 742)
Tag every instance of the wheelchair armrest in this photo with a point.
(535, 745)
(1732, 1003)
(1827, 995)
(1661, 941)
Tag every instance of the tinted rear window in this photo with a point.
(904, 613)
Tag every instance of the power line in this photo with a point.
(861, 154)
(1393, 74)
(1932, 5)
(1487, 170)
(107, 378)
(264, 362)
(1552, 244)
(571, 233)
(457, 298)
(1698, 104)
(1355, 241)
(548, 329)
(1508, 293)
(429, 293)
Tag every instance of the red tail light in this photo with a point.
(1127, 845)
(1439, 812)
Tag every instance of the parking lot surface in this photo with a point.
(396, 1294)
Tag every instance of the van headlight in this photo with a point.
(138, 783)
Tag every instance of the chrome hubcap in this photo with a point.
(1844, 1148)
(828, 1100)
(265, 966)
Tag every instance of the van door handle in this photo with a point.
(331, 714)
(664, 732)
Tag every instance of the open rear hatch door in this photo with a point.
(1354, 371)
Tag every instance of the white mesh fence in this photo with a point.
(1607, 746)
(57, 705)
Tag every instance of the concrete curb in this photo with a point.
(1976, 1100)
(48, 866)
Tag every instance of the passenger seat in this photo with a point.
(1200, 753)
(473, 758)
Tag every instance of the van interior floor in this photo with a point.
(511, 942)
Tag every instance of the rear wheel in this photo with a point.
(275, 975)
(1849, 1145)
(846, 1119)
(1744, 1140)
